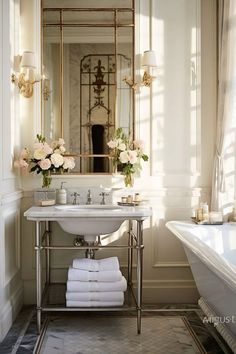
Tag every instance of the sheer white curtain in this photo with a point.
(223, 184)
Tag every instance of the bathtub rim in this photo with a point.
(217, 264)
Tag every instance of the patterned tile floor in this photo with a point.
(163, 332)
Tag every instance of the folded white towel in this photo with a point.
(112, 296)
(84, 286)
(93, 265)
(71, 303)
(85, 275)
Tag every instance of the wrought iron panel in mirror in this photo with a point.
(88, 49)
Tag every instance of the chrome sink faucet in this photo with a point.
(75, 195)
(103, 195)
(89, 197)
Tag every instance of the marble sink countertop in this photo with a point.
(52, 213)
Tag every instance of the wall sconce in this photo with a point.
(27, 78)
(149, 62)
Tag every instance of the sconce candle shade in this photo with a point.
(28, 60)
(149, 58)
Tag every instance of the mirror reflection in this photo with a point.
(86, 55)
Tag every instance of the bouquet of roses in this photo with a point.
(46, 158)
(127, 155)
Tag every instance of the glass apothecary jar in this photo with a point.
(45, 196)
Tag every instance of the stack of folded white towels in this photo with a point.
(95, 283)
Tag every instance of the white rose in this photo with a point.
(112, 144)
(122, 147)
(45, 164)
(54, 144)
(40, 154)
(124, 157)
(61, 141)
(69, 163)
(57, 160)
(62, 149)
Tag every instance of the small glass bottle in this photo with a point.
(205, 212)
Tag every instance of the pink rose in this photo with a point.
(24, 154)
(139, 144)
(38, 146)
(45, 164)
(47, 149)
(21, 164)
(133, 156)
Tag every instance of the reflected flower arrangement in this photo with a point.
(126, 155)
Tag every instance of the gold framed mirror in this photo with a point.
(87, 50)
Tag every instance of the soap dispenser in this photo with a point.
(62, 194)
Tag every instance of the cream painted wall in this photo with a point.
(176, 118)
(11, 286)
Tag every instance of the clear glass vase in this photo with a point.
(129, 180)
(47, 179)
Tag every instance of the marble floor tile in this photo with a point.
(171, 330)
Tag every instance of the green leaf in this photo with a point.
(145, 157)
(34, 168)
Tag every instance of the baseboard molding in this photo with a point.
(10, 311)
(221, 328)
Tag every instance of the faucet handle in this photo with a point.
(75, 195)
(103, 195)
(89, 197)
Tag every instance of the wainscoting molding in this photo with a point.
(10, 310)
(11, 197)
(11, 244)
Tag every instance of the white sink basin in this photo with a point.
(89, 221)
(98, 220)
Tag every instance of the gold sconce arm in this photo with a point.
(130, 83)
(147, 79)
(25, 87)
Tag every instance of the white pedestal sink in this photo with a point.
(92, 220)
(89, 221)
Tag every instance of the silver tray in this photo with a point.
(129, 204)
(206, 222)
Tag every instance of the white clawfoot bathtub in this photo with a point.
(211, 252)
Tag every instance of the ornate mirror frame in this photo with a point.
(61, 25)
